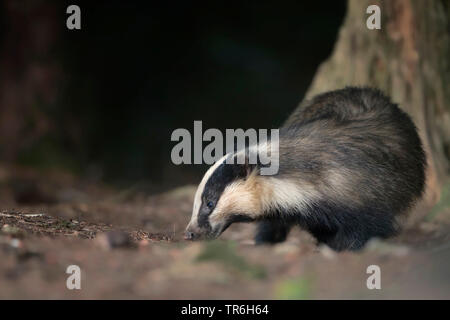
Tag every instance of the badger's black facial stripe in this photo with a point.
(214, 187)
(203, 220)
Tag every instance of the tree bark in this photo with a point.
(409, 59)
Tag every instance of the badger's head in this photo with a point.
(229, 192)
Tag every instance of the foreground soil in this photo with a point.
(128, 244)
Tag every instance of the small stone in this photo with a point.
(15, 243)
(115, 239)
(143, 243)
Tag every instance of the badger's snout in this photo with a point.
(189, 235)
(196, 233)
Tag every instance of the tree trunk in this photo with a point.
(409, 59)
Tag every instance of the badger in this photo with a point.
(350, 164)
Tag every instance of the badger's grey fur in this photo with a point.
(350, 162)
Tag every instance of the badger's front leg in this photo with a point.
(271, 231)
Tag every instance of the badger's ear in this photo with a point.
(246, 168)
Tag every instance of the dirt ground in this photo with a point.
(128, 244)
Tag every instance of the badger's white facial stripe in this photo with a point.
(266, 153)
(201, 187)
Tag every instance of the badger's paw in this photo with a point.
(271, 232)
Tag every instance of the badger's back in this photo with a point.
(358, 151)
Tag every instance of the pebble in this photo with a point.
(115, 239)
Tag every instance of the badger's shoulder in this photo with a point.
(342, 105)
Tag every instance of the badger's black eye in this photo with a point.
(210, 204)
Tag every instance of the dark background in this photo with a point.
(103, 101)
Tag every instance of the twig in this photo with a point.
(18, 215)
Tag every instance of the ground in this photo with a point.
(128, 244)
